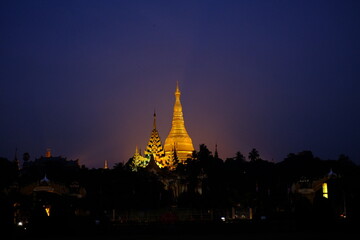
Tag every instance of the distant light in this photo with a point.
(223, 219)
(20, 224)
(47, 210)
(325, 190)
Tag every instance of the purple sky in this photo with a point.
(84, 77)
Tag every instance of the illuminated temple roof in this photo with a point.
(154, 146)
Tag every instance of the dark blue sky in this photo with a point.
(84, 77)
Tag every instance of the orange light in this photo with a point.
(47, 210)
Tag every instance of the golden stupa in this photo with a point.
(178, 137)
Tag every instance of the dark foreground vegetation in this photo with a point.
(53, 196)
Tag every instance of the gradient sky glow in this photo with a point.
(84, 77)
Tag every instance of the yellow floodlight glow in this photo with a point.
(325, 190)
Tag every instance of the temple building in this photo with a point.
(178, 145)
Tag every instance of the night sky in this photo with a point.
(84, 77)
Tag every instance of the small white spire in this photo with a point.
(331, 173)
(45, 179)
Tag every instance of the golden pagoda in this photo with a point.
(178, 137)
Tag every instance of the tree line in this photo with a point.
(211, 183)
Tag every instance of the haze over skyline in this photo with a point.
(84, 77)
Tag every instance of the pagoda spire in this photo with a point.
(154, 147)
(177, 91)
(178, 135)
(154, 125)
(216, 154)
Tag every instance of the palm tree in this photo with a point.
(254, 155)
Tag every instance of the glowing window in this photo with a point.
(325, 190)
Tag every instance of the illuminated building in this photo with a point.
(178, 145)
(154, 150)
(49, 198)
(178, 136)
(308, 187)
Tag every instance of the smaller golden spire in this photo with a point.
(106, 165)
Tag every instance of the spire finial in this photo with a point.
(154, 119)
(177, 92)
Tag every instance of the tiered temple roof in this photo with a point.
(154, 146)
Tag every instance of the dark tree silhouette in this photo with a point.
(8, 173)
(239, 157)
(254, 155)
